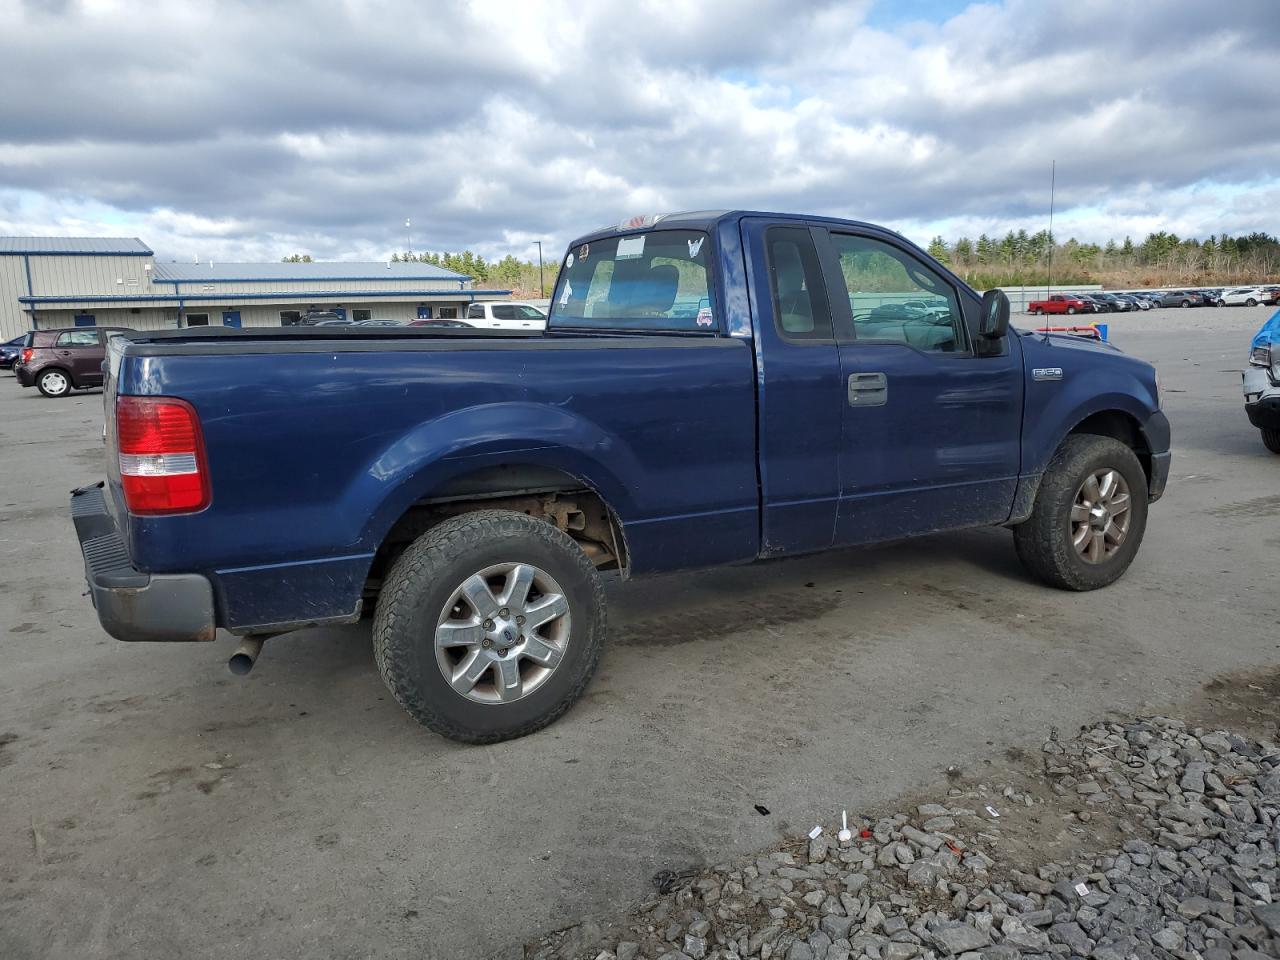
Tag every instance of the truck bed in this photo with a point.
(320, 439)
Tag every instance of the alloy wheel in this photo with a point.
(502, 633)
(1100, 515)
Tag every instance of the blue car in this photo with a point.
(711, 388)
(10, 350)
(1262, 383)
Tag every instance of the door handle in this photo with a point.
(868, 390)
(64, 353)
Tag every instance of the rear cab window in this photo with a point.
(643, 282)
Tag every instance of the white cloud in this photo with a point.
(223, 130)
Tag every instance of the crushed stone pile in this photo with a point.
(1195, 816)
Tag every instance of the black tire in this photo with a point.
(1271, 439)
(1043, 541)
(1071, 310)
(54, 382)
(1037, 312)
(1186, 303)
(1250, 302)
(422, 581)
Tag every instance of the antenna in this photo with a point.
(1053, 177)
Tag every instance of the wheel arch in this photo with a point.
(1119, 425)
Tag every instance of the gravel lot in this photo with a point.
(155, 805)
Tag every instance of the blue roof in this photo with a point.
(75, 246)
(214, 272)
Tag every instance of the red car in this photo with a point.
(55, 361)
(1060, 303)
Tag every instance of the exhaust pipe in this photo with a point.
(246, 655)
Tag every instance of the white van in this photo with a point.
(505, 315)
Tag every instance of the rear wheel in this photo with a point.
(54, 383)
(1271, 439)
(1186, 303)
(1089, 516)
(489, 626)
(1250, 302)
(1037, 312)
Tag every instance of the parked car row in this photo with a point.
(1107, 302)
(484, 315)
(1248, 296)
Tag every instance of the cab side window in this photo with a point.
(896, 298)
(78, 338)
(475, 311)
(800, 308)
(504, 311)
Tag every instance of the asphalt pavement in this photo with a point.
(153, 805)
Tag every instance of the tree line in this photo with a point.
(509, 273)
(1162, 259)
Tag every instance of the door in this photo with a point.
(932, 430)
(80, 352)
(231, 318)
(424, 312)
(504, 317)
(85, 320)
(799, 381)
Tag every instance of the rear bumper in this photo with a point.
(25, 376)
(133, 605)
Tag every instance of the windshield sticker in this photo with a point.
(630, 248)
(582, 251)
(569, 261)
(695, 246)
(704, 317)
(566, 293)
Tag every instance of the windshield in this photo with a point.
(644, 281)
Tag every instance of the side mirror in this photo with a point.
(994, 323)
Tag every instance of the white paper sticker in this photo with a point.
(815, 833)
(566, 293)
(695, 246)
(629, 248)
(705, 319)
(1082, 889)
(569, 261)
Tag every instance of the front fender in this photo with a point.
(1055, 407)
(495, 434)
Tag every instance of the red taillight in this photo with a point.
(162, 462)
(27, 354)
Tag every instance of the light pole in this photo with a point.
(408, 237)
(542, 287)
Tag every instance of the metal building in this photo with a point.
(87, 281)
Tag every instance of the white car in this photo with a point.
(505, 315)
(1242, 296)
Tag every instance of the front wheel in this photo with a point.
(489, 626)
(54, 383)
(1089, 516)
(1071, 310)
(1271, 439)
(1186, 303)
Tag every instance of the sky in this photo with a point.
(250, 131)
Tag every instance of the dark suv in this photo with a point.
(54, 361)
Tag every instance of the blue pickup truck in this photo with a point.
(712, 388)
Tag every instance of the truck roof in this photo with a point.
(707, 219)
